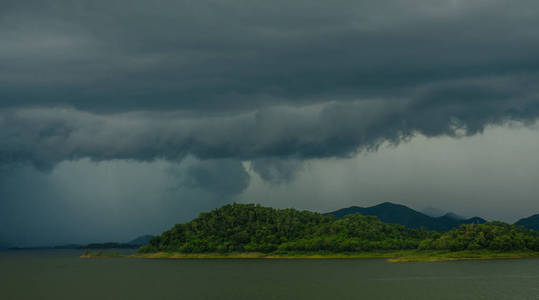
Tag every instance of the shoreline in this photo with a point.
(391, 256)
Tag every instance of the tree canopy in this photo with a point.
(250, 228)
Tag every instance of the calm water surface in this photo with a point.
(62, 275)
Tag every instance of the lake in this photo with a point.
(61, 274)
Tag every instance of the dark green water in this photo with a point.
(62, 275)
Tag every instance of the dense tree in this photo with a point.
(492, 235)
(248, 227)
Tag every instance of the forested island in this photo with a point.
(247, 230)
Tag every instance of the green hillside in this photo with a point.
(253, 228)
(496, 236)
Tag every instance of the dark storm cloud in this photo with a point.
(44, 136)
(241, 55)
(255, 80)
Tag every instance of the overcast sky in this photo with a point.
(121, 118)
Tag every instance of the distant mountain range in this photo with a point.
(141, 240)
(133, 244)
(530, 222)
(399, 214)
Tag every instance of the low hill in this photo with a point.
(529, 222)
(133, 244)
(253, 228)
(247, 227)
(399, 214)
(110, 245)
(141, 240)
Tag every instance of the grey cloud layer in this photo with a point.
(45, 136)
(257, 80)
(242, 55)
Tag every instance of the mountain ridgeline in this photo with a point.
(133, 244)
(400, 214)
(530, 222)
(141, 240)
(253, 228)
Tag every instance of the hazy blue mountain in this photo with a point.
(133, 244)
(400, 214)
(68, 246)
(529, 222)
(436, 213)
(141, 240)
(433, 212)
(109, 245)
(454, 216)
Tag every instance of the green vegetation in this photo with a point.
(246, 230)
(250, 228)
(496, 236)
(432, 255)
(395, 256)
(101, 254)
